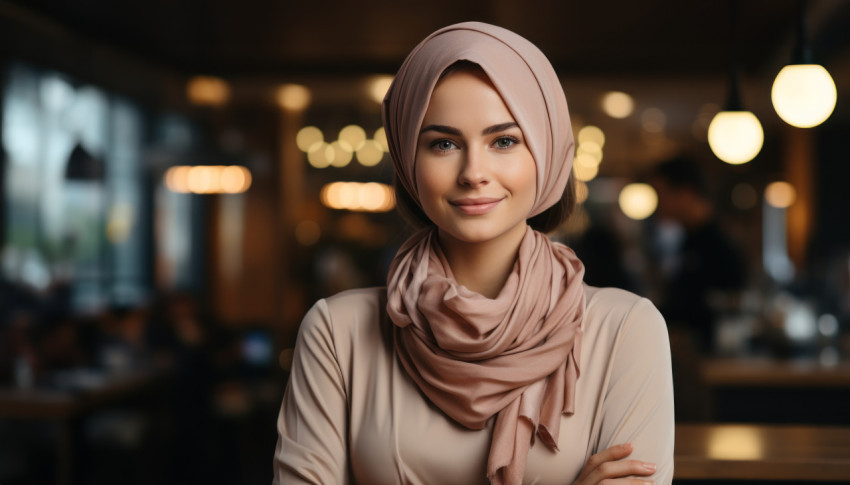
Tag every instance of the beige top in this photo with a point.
(350, 414)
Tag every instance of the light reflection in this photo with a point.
(361, 197)
(208, 91)
(208, 179)
(734, 443)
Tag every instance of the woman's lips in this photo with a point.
(475, 206)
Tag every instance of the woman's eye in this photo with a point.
(505, 142)
(443, 145)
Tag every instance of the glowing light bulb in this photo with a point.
(593, 134)
(735, 137)
(617, 104)
(638, 201)
(803, 95)
(293, 97)
(307, 136)
(780, 194)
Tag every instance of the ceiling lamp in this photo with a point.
(803, 93)
(734, 134)
(638, 201)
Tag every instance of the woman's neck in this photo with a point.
(482, 267)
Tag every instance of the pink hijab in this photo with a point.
(513, 358)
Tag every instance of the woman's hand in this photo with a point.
(608, 466)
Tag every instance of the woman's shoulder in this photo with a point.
(357, 306)
(612, 311)
(347, 320)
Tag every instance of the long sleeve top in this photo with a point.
(351, 415)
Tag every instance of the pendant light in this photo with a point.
(734, 134)
(803, 92)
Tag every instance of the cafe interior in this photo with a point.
(181, 181)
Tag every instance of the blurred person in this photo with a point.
(466, 367)
(706, 262)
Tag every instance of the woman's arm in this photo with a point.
(638, 406)
(313, 421)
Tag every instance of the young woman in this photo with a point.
(486, 357)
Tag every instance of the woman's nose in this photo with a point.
(473, 172)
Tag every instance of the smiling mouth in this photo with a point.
(475, 206)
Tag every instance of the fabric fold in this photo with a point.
(525, 379)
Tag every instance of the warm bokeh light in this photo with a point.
(370, 154)
(177, 179)
(653, 120)
(592, 134)
(744, 196)
(293, 97)
(355, 196)
(342, 155)
(618, 104)
(734, 443)
(780, 194)
(307, 233)
(585, 173)
(208, 179)
(207, 91)
(381, 138)
(320, 155)
(638, 201)
(582, 192)
(353, 136)
(235, 179)
(203, 180)
(590, 147)
(735, 137)
(378, 87)
(803, 95)
(307, 137)
(587, 160)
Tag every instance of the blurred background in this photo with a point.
(180, 181)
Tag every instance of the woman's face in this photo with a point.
(474, 172)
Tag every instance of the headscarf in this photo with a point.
(523, 77)
(514, 357)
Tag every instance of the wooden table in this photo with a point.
(762, 452)
(764, 372)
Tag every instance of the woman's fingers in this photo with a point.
(615, 452)
(609, 464)
(620, 469)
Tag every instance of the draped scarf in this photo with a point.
(514, 357)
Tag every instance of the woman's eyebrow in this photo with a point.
(441, 129)
(454, 131)
(500, 127)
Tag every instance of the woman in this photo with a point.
(486, 357)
